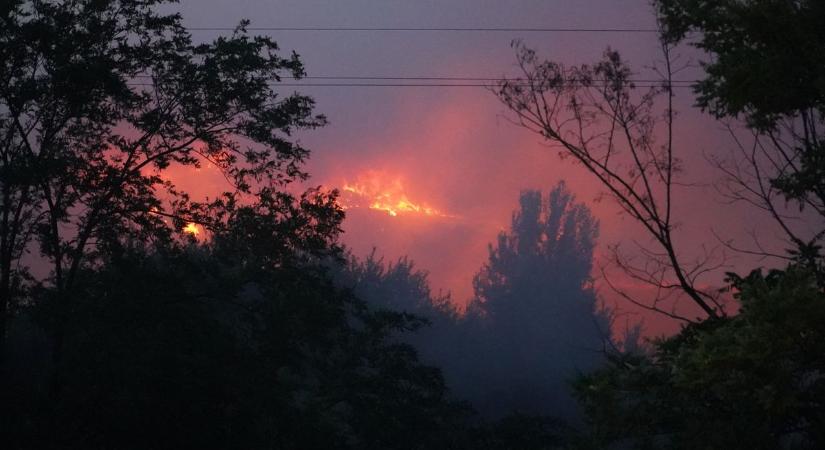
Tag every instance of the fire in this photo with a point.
(192, 228)
(376, 191)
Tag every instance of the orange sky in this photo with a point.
(466, 165)
(451, 149)
(455, 153)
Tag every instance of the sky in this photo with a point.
(453, 150)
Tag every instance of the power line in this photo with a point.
(435, 85)
(435, 78)
(430, 78)
(438, 29)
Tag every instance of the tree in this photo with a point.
(401, 286)
(397, 286)
(534, 316)
(753, 380)
(596, 115)
(533, 323)
(749, 381)
(550, 243)
(766, 64)
(766, 69)
(97, 99)
(230, 348)
(159, 340)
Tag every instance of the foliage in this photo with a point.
(153, 339)
(767, 54)
(534, 322)
(750, 381)
(98, 99)
(623, 136)
(137, 336)
(456, 345)
(766, 65)
(550, 244)
(401, 286)
(217, 353)
(398, 286)
(755, 379)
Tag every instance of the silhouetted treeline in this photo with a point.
(200, 347)
(534, 323)
(749, 377)
(120, 330)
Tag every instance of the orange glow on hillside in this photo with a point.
(376, 190)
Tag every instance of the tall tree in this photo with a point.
(535, 313)
(97, 99)
(767, 56)
(596, 115)
(749, 381)
(753, 380)
(767, 68)
(549, 249)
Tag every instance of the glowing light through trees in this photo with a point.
(192, 228)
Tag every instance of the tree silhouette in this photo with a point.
(550, 244)
(535, 315)
(398, 286)
(207, 346)
(97, 100)
(750, 381)
(765, 70)
(457, 345)
(624, 139)
(401, 286)
(155, 339)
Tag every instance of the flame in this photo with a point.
(376, 191)
(192, 228)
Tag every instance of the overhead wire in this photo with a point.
(436, 85)
(438, 29)
(431, 81)
(440, 78)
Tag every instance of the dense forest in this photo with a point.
(134, 315)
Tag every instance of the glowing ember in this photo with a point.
(375, 191)
(192, 229)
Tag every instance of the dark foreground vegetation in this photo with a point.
(120, 330)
